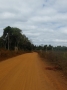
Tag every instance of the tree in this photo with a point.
(45, 47)
(6, 34)
(11, 36)
(14, 38)
(49, 47)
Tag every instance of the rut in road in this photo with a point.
(25, 72)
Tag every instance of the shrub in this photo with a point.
(56, 58)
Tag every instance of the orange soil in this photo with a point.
(27, 72)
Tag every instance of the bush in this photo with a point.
(5, 54)
(56, 58)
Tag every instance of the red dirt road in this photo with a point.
(27, 72)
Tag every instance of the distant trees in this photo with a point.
(44, 47)
(13, 37)
(50, 48)
(60, 48)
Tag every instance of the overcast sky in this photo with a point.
(42, 21)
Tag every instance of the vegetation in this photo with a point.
(12, 37)
(50, 48)
(13, 43)
(56, 58)
(5, 54)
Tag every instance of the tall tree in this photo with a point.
(14, 38)
(6, 34)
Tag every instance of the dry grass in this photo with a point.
(5, 54)
(57, 59)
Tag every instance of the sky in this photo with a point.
(42, 21)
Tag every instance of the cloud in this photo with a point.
(42, 21)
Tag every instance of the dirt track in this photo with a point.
(27, 72)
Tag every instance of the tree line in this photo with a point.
(50, 48)
(12, 37)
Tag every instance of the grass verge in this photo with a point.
(5, 54)
(57, 58)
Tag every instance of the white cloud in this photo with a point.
(43, 21)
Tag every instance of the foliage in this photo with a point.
(50, 48)
(56, 58)
(12, 37)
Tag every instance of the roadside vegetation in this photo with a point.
(55, 56)
(5, 54)
(13, 42)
